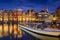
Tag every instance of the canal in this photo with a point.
(12, 32)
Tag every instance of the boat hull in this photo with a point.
(39, 35)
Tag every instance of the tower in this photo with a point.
(46, 10)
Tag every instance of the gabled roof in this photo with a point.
(42, 11)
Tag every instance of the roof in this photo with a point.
(42, 11)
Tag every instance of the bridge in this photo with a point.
(46, 34)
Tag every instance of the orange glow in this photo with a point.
(54, 18)
(11, 28)
(19, 18)
(24, 19)
(0, 18)
(33, 19)
(17, 31)
(0, 31)
(5, 30)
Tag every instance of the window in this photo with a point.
(45, 15)
(39, 15)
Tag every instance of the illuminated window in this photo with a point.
(39, 15)
(46, 15)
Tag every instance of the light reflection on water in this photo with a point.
(12, 32)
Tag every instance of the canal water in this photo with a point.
(13, 32)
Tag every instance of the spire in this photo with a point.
(46, 9)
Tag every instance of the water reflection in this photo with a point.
(13, 32)
(10, 31)
(0, 31)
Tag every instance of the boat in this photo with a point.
(46, 34)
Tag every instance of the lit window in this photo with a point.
(46, 15)
(40, 15)
(23, 18)
(54, 18)
(57, 24)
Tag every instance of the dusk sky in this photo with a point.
(37, 5)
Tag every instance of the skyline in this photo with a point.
(30, 4)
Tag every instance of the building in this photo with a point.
(43, 15)
(1, 11)
(58, 13)
(20, 12)
(5, 16)
(10, 13)
(20, 15)
(31, 15)
(40, 16)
